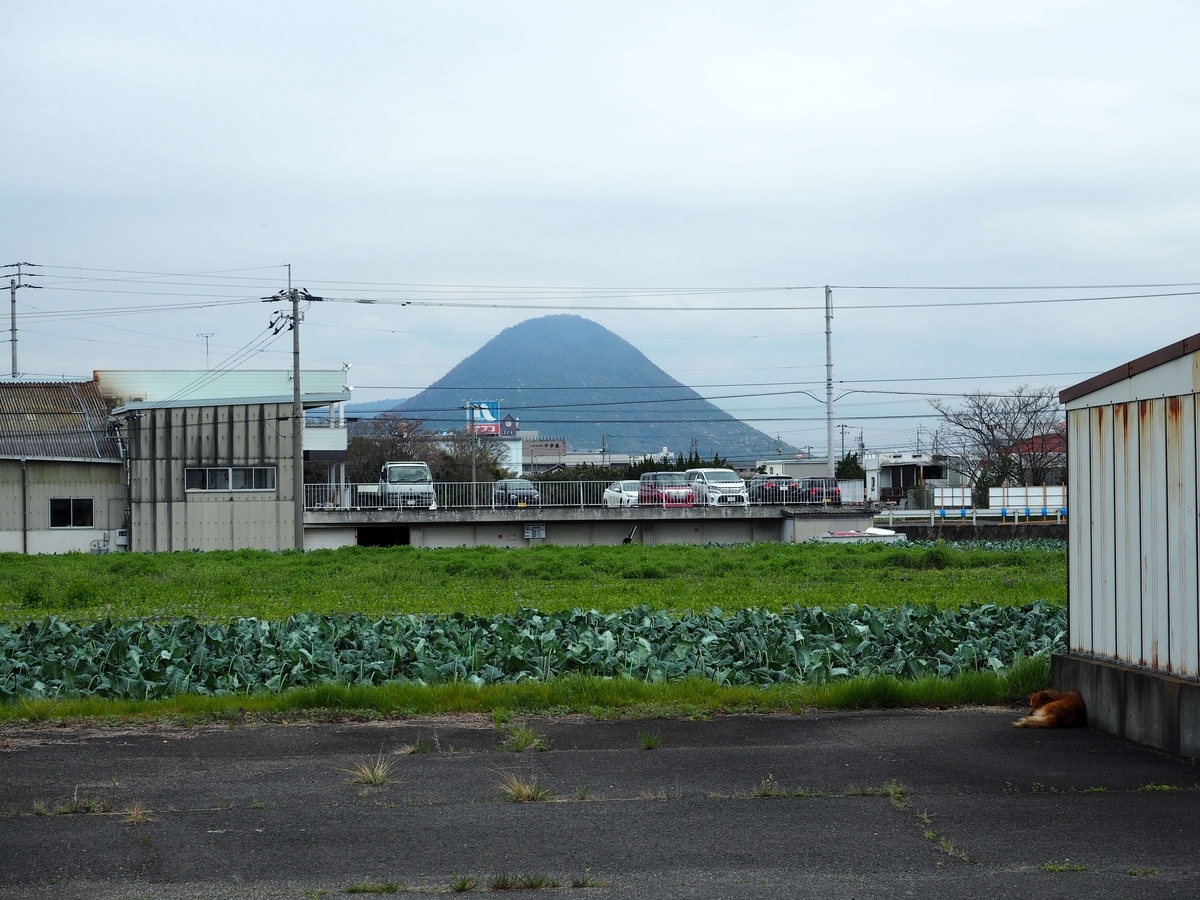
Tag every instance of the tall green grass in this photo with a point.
(597, 697)
(483, 580)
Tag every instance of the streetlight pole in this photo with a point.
(297, 417)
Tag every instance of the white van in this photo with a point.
(717, 487)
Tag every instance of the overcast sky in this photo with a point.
(611, 146)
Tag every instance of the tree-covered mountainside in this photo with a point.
(566, 376)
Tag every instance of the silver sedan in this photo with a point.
(621, 493)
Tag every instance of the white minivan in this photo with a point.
(717, 487)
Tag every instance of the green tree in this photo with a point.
(849, 468)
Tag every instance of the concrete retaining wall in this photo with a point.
(1137, 704)
(981, 532)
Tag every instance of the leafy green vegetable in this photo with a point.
(147, 659)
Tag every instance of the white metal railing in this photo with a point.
(489, 494)
(1015, 515)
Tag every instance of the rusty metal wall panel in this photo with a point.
(1079, 586)
(1127, 533)
(1153, 483)
(1104, 618)
(1181, 530)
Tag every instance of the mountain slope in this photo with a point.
(567, 376)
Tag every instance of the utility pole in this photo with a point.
(843, 427)
(471, 438)
(297, 416)
(829, 377)
(279, 322)
(206, 335)
(13, 284)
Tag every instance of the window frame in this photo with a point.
(75, 508)
(254, 473)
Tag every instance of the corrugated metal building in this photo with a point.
(60, 469)
(210, 453)
(1134, 595)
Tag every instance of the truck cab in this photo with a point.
(407, 484)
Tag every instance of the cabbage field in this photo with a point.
(149, 659)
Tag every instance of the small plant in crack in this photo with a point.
(40, 808)
(521, 738)
(367, 886)
(137, 813)
(420, 745)
(1065, 866)
(79, 805)
(500, 717)
(517, 789)
(1142, 873)
(461, 883)
(586, 880)
(1152, 787)
(650, 740)
(509, 882)
(583, 793)
(375, 772)
(769, 788)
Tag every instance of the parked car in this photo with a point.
(717, 487)
(820, 489)
(664, 489)
(400, 484)
(621, 493)
(515, 492)
(774, 489)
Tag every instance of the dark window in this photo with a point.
(237, 478)
(74, 513)
(60, 513)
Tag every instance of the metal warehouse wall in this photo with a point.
(163, 442)
(1132, 479)
(46, 479)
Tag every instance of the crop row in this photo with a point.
(144, 659)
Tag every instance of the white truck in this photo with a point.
(401, 484)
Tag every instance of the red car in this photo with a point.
(665, 489)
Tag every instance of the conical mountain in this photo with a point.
(566, 376)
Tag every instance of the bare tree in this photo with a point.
(388, 437)
(1014, 438)
(452, 461)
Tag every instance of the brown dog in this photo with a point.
(1054, 709)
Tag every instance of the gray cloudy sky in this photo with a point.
(611, 145)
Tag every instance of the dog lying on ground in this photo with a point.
(1054, 709)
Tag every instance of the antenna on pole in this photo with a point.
(206, 335)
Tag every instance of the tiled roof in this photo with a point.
(55, 420)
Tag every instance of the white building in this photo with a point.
(1134, 598)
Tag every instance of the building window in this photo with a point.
(235, 478)
(71, 513)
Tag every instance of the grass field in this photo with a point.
(597, 697)
(377, 581)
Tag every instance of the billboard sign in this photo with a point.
(508, 427)
(485, 416)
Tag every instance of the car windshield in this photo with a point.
(518, 485)
(776, 479)
(408, 475)
(670, 478)
(629, 485)
(722, 477)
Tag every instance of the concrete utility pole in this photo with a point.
(829, 377)
(12, 292)
(471, 438)
(13, 284)
(297, 416)
(295, 295)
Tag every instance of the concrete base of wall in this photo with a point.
(1136, 704)
(953, 531)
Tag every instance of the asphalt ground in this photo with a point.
(273, 810)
